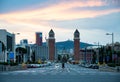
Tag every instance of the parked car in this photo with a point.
(88, 65)
(95, 66)
(56, 65)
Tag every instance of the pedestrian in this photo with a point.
(63, 62)
(63, 65)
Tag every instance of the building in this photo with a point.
(41, 53)
(8, 39)
(44, 52)
(116, 52)
(86, 55)
(39, 38)
(76, 45)
(24, 42)
(24, 57)
(51, 45)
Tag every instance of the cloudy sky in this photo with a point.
(93, 19)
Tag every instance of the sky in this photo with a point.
(93, 19)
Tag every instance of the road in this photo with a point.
(54, 73)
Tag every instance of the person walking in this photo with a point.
(63, 62)
(63, 65)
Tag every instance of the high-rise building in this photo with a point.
(8, 40)
(76, 45)
(41, 52)
(39, 38)
(24, 42)
(51, 45)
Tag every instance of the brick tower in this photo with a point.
(76, 45)
(51, 45)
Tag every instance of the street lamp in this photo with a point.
(16, 33)
(112, 34)
(18, 48)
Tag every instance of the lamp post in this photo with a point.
(30, 51)
(112, 34)
(18, 47)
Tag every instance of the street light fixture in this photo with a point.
(18, 48)
(112, 34)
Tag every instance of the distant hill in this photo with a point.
(69, 44)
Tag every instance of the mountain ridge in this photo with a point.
(69, 44)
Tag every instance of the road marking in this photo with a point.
(4, 73)
(69, 69)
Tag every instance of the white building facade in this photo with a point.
(8, 39)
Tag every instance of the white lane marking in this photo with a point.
(4, 73)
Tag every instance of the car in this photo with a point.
(49, 63)
(88, 65)
(83, 65)
(56, 66)
(31, 66)
(95, 66)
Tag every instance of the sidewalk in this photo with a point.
(11, 68)
(109, 69)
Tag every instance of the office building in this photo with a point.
(41, 53)
(8, 39)
(24, 42)
(39, 38)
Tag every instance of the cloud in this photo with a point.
(59, 11)
(42, 18)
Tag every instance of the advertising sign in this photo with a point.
(11, 55)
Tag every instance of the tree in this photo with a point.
(68, 56)
(21, 51)
(3, 49)
(94, 58)
(64, 59)
(3, 46)
(33, 56)
(59, 57)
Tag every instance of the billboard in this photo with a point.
(11, 55)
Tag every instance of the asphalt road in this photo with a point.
(71, 73)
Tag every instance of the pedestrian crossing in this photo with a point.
(53, 70)
(59, 71)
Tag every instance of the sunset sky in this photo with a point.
(93, 19)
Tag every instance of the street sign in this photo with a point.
(11, 55)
